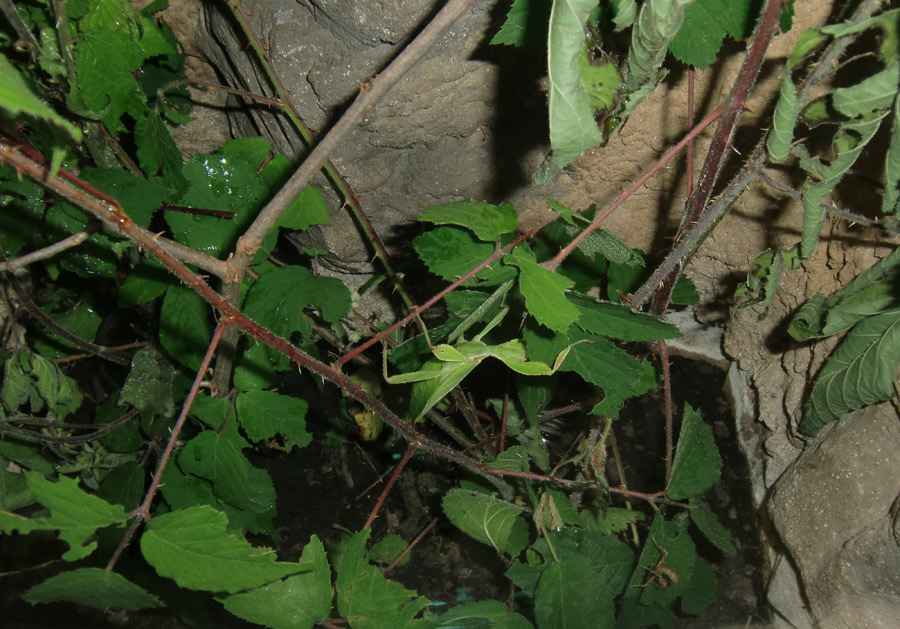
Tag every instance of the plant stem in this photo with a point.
(387, 488)
(715, 156)
(661, 163)
(142, 513)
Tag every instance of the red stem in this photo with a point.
(390, 483)
(412, 545)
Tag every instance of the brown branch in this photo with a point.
(47, 252)
(369, 94)
(30, 434)
(715, 156)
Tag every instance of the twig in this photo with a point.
(30, 434)
(715, 156)
(667, 396)
(47, 252)
(369, 94)
(412, 545)
(689, 240)
(142, 513)
(387, 488)
(89, 199)
(661, 163)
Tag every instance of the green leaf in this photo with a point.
(620, 321)
(34, 381)
(388, 549)
(486, 220)
(487, 519)
(871, 292)
(669, 546)
(16, 97)
(184, 326)
(93, 587)
(74, 513)
(861, 371)
(697, 463)
(140, 198)
(365, 597)
(265, 414)
(147, 281)
(560, 600)
(702, 589)
(157, 152)
(14, 491)
(149, 383)
(124, 485)
(610, 562)
(706, 23)
(890, 201)
(105, 59)
(525, 25)
(193, 548)
(545, 294)
(709, 525)
(298, 602)
(27, 454)
(786, 112)
(82, 321)
(573, 129)
(872, 94)
(278, 298)
(309, 208)
(450, 253)
(217, 459)
(493, 614)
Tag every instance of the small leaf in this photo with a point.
(216, 458)
(702, 590)
(278, 298)
(298, 602)
(560, 600)
(706, 22)
(16, 97)
(573, 129)
(861, 371)
(73, 512)
(697, 463)
(487, 519)
(93, 587)
(265, 414)
(709, 525)
(786, 112)
(365, 597)
(450, 253)
(486, 220)
(493, 614)
(193, 548)
(545, 294)
(621, 322)
(872, 94)
(525, 25)
(184, 326)
(149, 383)
(890, 202)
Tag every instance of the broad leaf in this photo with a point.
(492, 614)
(621, 322)
(16, 97)
(706, 23)
(298, 602)
(365, 597)
(265, 414)
(487, 519)
(560, 600)
(450, 253)
(93, 587)
(219, 460)
(545, 294)
(486, 220)
(709, 525)
(74, 513)
(861, 371)
(149, 383)
(184, 326)
(193, 548)
(697, 463)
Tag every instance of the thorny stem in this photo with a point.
(667, 395)
(387, 488)
(110, 212)
(715, 156)
(412, 545)
(661, 163)
(47, 252)
(369, 94)
(142, 513)
(500, 253)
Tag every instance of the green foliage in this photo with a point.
(706, 23)
(93, 587)
(487, 519)
(697, 463)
